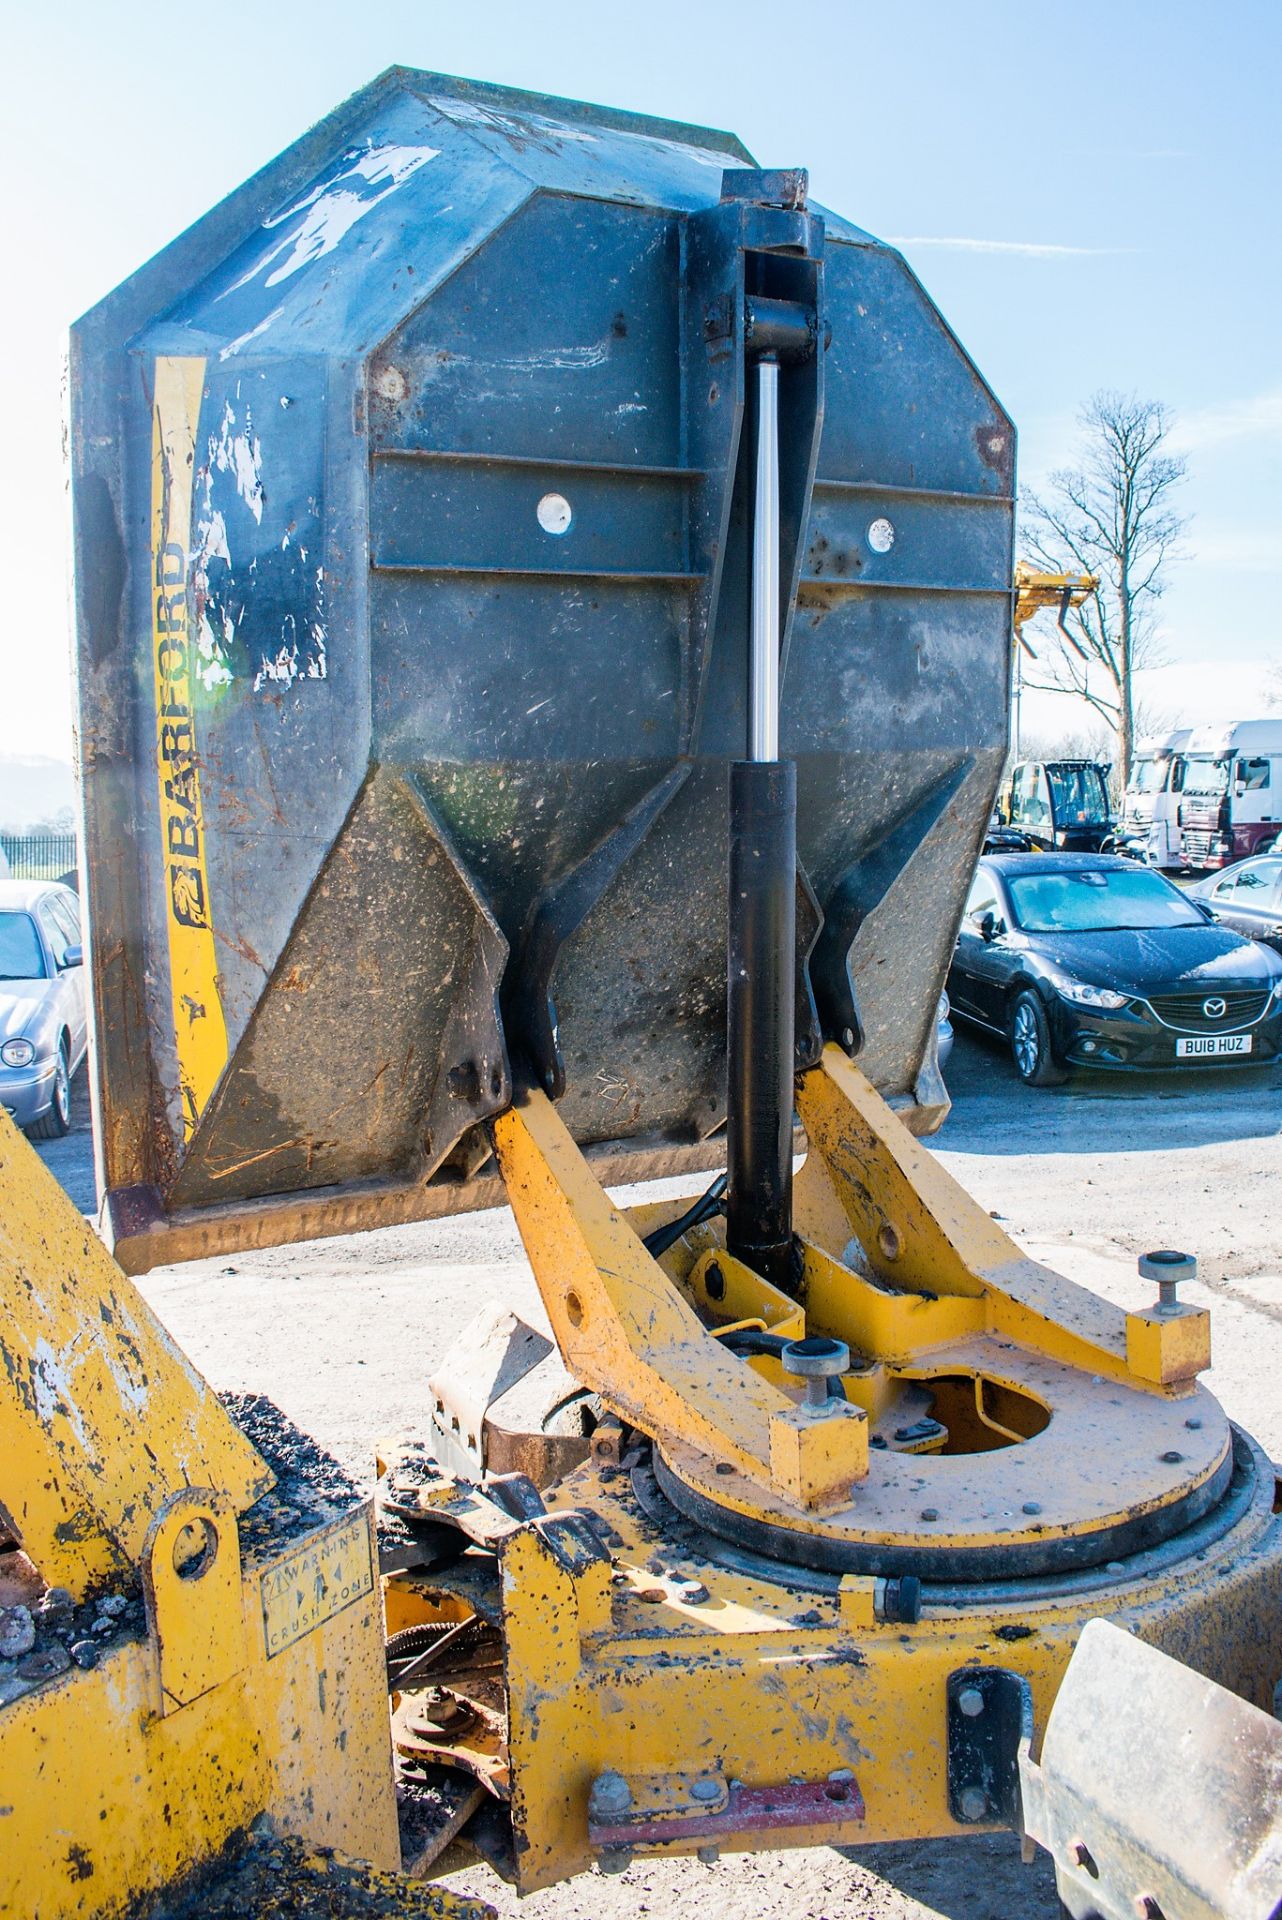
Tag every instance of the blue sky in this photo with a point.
(1089, 191)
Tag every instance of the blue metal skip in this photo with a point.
(411, 522)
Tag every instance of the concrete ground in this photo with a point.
(343, 1335)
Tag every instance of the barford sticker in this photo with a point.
(200, 1032)
(330, 1572)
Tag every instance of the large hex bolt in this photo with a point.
(609, 1802)
(816, 1360)
(610, 1798)
(1168, 1268)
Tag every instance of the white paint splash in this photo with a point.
(235, 450)
(213, 671)
(212, 646)
(235, 346)
(51, 1387)
(283, 667)
(537, 129)
(240, 454)
(316, 224)
(542, 360)
(516, 127)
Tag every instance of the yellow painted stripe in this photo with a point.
(200, 1031)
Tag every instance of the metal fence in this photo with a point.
(39, 856)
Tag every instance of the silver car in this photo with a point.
(43, 1022)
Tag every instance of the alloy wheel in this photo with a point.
(62, 1090)
(1025, 1040)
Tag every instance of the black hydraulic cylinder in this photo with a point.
(761, 949)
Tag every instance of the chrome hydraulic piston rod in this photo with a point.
(761, 934)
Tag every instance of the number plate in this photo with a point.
(1212, 1043)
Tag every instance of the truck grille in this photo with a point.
(1187, 1010)
(1197, 846)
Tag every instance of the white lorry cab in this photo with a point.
(1148, 827)
(1230, 792)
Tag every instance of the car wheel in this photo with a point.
(1030, 1043)
(55, 1124)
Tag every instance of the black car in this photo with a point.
(1081, 959)
(1247, 897)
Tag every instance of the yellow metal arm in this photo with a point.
(938, 1306)
(256, 1687)
(1035, 591)
(622, 1327)
(103, 1413)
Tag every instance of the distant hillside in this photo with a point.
(34, 789)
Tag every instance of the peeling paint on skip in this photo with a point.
(315, 224)
(284, 667)
(535, 128)
(240, 454)
(212, 647)
(264, 326)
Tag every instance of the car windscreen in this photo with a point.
(1099, 900)
(21, 955)
(1079, 794)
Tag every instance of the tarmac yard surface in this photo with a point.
(343, 1335)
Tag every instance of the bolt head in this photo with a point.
(970, 1701)
(611, 1794)
(705, 1790)
(1081, 1856)
(974, 1803)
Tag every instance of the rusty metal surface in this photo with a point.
(706, 1808)
(433, 1805)
(146, 1236)
(503, 1402)
(411, 582)
(675, 1661)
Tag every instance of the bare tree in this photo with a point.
(1111, 516)
(1273, 683)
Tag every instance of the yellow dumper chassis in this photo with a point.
(751, 1621)
(751, 1617)
(192, 1678)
